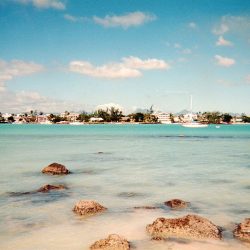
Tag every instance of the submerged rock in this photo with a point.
(87, 207)
(187, 227)
(242, 231)
(55, 169)
(112, 242)
(146, 207)
(16, 194)
(176, 203)
(129, 194)
(48, 187)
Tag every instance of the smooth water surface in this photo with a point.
(120, 166)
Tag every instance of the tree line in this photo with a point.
(113, 114)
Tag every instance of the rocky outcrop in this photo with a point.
(187, 227)
(242, 231)
(55, 169)
(87, 207)
(112, 242)
(48, 187)
(176, 203)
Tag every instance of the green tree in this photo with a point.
(226, 118)
(84, 117)
(149, 118)
(11, 119)
(2, 120)
(245, 118)
(104, 114)
(137, 117)
(115, 114)
(211, 117)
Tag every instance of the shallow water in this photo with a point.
(139, 165)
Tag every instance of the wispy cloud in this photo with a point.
(220, 29)
(225, 83)
(192, 25)
(177, 46)
(224, 61)
(44, 4)
(129, 67)
(29, 100)
(186, 51)
(248, 79)
(148, 64)
(17, 68)
(235, 24)
(223, 42)
(132, 19)
(72, 18)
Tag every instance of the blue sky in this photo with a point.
(58, 55)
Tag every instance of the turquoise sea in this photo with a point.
(120, 166)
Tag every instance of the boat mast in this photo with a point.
(191, 104)
(191, 107)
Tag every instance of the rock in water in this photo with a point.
(187, 227)
(86, 207)
(48, 187)
(176, 203)
(55, 169)
(112, 242)
(242, 231)
(146, 207)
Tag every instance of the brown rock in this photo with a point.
(242, 231)
(48, 187)
(187, 227)
(112, 242)
(176, 203)
(87, 207)
(55, 169)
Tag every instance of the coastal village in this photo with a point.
(114, 115)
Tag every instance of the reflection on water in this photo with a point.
(122, 167)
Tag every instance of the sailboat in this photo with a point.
(192, 123)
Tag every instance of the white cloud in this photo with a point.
(248, 79)
(111, 70)
(221, 29)
(224, 61)
(192, 25)
(70, 18)
(75, 18)
(44, 4)
(24, 101)
(187, 51)
(182, 60)
(148, 64)
(17, 68)
(223, 42)
(129, 67)
(177, 46)
(233, 24)
(108, 106)
(128, 20)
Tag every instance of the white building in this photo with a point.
(164, 118)
(95, 119)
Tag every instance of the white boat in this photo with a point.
(192, 123)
